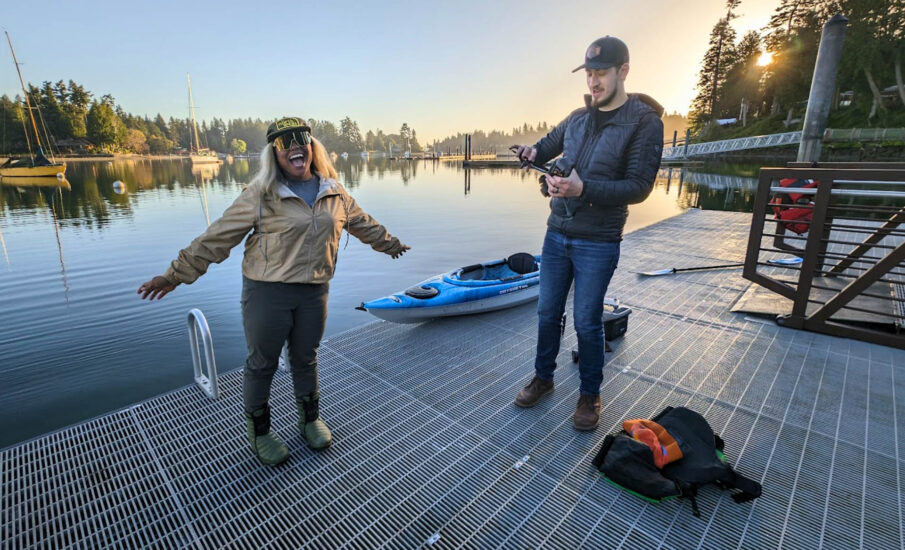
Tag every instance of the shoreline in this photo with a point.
(113, 157)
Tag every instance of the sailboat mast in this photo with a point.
(188, 79)
(31, 116)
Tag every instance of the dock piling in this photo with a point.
(823, 86)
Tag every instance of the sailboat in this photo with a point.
(197, 154)
(37, 165)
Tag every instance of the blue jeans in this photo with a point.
(591, 265)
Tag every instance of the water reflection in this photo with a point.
(3, 245)
(89, 196)
(203, 174)
(56, 228)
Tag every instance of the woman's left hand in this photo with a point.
(398, 251)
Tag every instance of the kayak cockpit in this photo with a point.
(518, 266)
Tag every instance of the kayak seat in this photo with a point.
(522, 263)
(472, 273)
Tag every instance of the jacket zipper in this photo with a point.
(581, 151)
(310, 244)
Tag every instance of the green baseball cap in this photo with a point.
(285, 125)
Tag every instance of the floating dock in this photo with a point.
(431, 452)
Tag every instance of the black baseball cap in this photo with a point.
(604, 53)
(286, 125)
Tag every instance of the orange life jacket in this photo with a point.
(794, 219)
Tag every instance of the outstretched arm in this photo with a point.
(212, 246)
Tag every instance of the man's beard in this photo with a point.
(605, 101)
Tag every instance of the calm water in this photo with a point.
(76, 341)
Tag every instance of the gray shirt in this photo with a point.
(305, 189)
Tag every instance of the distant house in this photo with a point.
(890, 95)
(74, 146)
(846, 97)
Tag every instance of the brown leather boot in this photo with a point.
(531, 393)
(587, 413)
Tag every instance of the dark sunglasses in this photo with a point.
(284, 141)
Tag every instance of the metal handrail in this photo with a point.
(840, 192)
(870, 255)
(726, 145)
(198, 324)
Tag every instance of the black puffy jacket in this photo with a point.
(617, 161)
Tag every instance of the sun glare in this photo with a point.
(765, 59)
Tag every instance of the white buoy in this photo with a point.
(119, 187)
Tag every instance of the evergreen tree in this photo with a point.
(350, 136)
(50, 116)
(712, 76)
(326, 132)
(370, 141)
(793, 38)
(405, 135)
(162, 126)
(743, 79)
(103, 125)
(12, 125)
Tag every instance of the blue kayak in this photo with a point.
(472, 289)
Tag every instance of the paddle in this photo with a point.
(671, 270)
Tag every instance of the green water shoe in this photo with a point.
(313, 429)
(265, 444)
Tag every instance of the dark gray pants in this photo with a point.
(272, 314)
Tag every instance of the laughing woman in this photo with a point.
(296, 211)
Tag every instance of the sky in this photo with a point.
(441, 67)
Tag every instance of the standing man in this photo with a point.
(611, 149)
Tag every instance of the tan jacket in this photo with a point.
(290, 242)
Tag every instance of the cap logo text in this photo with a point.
(288, 123)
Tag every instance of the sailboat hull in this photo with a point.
(34, 171)
(205, 159)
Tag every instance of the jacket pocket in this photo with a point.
(263, 251)
(273, 251)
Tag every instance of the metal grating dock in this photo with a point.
(431, 452)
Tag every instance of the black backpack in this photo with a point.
(629, 464)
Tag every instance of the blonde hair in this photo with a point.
(269, 173)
